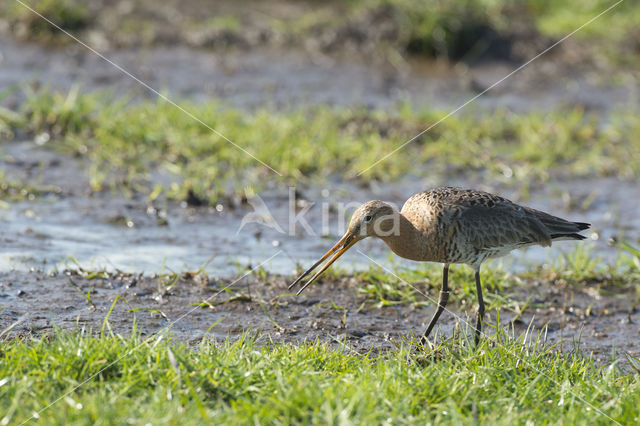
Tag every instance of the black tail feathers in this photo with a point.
(572, 236)
(582, 225)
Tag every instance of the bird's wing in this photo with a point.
(504, 224)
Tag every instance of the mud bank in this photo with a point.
(192, 306)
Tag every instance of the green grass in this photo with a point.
(107, 378)
(12, 190)
(463, 28)
(70, 15)
(110, 379)
(453, 29)
(124, 144)
(614, 36)
(8, 119)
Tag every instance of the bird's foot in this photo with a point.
(425, 344)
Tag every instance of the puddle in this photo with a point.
(102, 230)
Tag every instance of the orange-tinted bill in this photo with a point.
(339, 248)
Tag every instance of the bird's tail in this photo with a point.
(560, 229)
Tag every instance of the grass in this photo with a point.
(107, 378)
(70, 15)
(464, 28)
(111, 379)
(12, 190)
(457, 30)
(124, 144)
(612, 37)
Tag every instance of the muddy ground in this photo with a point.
(253, 79)
(194, 306)
(106, 230)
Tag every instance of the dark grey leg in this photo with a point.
(442, 302)
(480, 314)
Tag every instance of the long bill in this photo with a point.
(339, 248)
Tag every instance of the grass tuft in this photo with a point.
(70, 15)
(12, 190)
(466, 30)
(506, 380)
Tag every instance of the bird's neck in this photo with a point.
(407, 241)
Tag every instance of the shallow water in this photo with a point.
(101, 230)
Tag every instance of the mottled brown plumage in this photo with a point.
(452, 225)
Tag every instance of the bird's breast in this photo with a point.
(439, 235)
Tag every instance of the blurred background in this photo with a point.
(202, 112)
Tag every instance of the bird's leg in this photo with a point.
(442, 302)
(480, 313)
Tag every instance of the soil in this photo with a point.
(254, 78)
(319, 27)
(194, 306)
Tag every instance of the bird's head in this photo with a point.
(372, 219)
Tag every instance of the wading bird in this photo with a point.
(451, 225)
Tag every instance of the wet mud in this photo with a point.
(288, 79)
(192, 306)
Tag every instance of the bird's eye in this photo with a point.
(367, 218)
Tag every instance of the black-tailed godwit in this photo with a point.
(451, 225)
